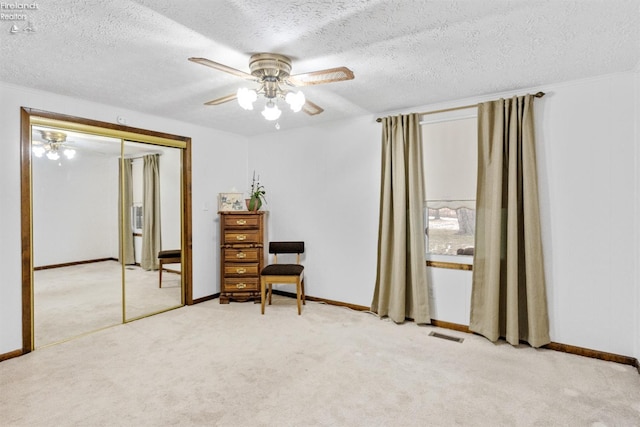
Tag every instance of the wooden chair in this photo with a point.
(171, 256)
(283, 273)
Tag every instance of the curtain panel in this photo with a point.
(508, 297)
(401, 289)
(151, 242)
(125, 203)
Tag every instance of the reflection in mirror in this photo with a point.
(152, 233)
(77, 280)
(99, 224)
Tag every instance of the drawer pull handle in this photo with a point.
(241, 285)
(241, 255)
(241, 222)
(241, 270)
(241, 237)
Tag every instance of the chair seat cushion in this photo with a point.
(282, 270)
(170, 253)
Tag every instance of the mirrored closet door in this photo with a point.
(151, 190)
(77, 280)
(105, 207)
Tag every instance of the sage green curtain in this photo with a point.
(151, 239)
(401, 289)
(125, 200)
(508, 298)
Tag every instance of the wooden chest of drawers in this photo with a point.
(242, 254)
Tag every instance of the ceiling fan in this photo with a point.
(272, 71)
(52, 145)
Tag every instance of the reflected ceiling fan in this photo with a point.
(54, 143)
(272, 71)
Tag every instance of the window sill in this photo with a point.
(454, 262)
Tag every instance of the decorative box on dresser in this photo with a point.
(242, 254)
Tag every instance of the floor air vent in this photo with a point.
(445, 337)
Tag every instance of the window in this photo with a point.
(450, 168)
(136, 217)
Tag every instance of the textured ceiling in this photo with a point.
(133, 54)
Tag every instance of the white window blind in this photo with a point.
(450, 161)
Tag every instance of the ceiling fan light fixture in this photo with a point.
(246, 98)
(69, 153)
(53, 144)
(295, 100)
(38, 150)
(272, 71)
(53, 155)
(271, 111)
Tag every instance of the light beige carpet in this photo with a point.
(71, 301)
(226, 365)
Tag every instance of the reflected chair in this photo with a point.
(171, 256)
(283, 273)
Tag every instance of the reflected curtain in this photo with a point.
(151, 242)
(125, 203)
(401, 281)
(508, 298)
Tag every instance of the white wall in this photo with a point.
(218, 164)
(450, 294)
(74, 208)
(170, 171)
(588, 197)
(323, 187)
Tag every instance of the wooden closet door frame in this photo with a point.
(26, 115)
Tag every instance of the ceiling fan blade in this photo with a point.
(322, 76)
(222, 67)
(311, 109)
(222, 100)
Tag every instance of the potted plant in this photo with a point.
(256, 194)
